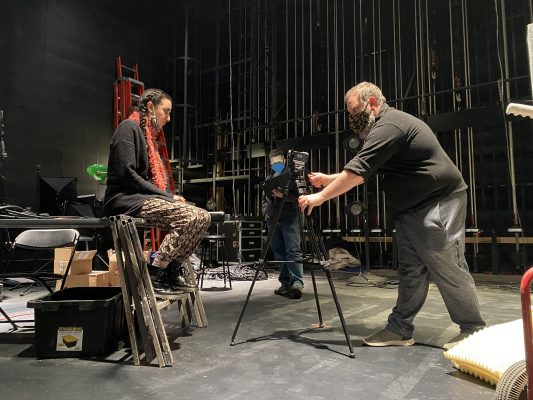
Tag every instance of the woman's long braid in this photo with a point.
(159, 176)
(142, 114)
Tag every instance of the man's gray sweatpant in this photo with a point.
(431, 247)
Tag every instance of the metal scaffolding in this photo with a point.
(264, 73)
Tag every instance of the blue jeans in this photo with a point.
(285, 245)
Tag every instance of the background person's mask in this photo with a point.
(278, 167)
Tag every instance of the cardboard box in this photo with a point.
(93, 279)
(82, 263)
(114, 280)
(113, 266)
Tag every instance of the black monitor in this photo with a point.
(55, 193)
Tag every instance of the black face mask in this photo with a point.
(358, 122)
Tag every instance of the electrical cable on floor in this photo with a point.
(365, 280)
(238, 272)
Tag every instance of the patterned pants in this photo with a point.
(185, 225)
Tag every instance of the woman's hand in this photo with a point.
(310, 201)
(179, 198)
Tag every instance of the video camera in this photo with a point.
(296, 164)
(293, 177)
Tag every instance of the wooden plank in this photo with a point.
(125, 295)
(132, 283)
(150, 296)
(468, 239)
(138, 286)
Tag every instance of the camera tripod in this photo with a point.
(315, 255)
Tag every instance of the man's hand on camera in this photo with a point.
(318, 179)
(177, 197)
(310, 201)
(277, 194)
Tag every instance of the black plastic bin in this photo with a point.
(85, 321)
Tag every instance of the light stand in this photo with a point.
(360, 209)
(3, 156)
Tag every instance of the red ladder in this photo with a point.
(125, 89)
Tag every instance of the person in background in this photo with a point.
(138, 185)
(286, 240)
(427, 196)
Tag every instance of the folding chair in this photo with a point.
(39, 240)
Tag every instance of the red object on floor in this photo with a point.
(525, 294)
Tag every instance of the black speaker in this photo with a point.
(55, 192)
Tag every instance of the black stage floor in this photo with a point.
(277, 356)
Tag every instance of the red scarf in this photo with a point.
(157, 169)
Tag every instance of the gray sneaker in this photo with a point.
(461, 336)
(387, 338)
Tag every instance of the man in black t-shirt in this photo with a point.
(426, 194)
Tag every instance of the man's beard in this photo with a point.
(370, 124)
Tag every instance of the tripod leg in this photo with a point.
(341, 315)
(8, 318)
(246, 304)
(262, 267)
(321, 322)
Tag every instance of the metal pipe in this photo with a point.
(470, 133)
(328, 95)
(185, 132)
(431, 109)
(328, 55)
(361, 54)
(380, 61)
(400, 47)
(417, 56)
(376, 67)
(374, 71)
(454, 85)
(295, 80)
(274, 111)
(344, 64)
(311, 108)
(287, 68)
(336, 76)
(302, 57)
(505, 98)
(174, 89)
(354, 38)
(394, 50)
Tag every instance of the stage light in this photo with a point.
(351, 142)
(355, 208)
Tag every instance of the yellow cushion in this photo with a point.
(488, 353)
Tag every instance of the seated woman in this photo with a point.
(138, 185)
